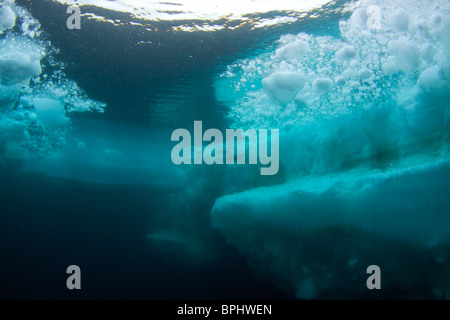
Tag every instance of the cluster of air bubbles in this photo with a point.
(382, 48)
(36, 97)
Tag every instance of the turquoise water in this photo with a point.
(359, 92)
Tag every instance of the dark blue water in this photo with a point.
(102, 230)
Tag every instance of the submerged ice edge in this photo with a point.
(319, 234)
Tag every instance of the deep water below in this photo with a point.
(48, 224)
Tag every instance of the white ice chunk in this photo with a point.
(293, 50)
(345, 53)
(429, 79)
(406, 52)
(365, 74)
(390, 67)
(322, 85)
(354, 84)
(359, 18)
(50, 112)
(18, 67)
(7, 18)
(340, 81)
(435, 20)
(283, 86)
(400, 20)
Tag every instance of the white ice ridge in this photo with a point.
(199, 9)
(319, 233)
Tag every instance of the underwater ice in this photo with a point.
(293, 51)
(283, 86)
(364, 139)
(7, 17)
(34, 106)
(364, 142)
(35, 127)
